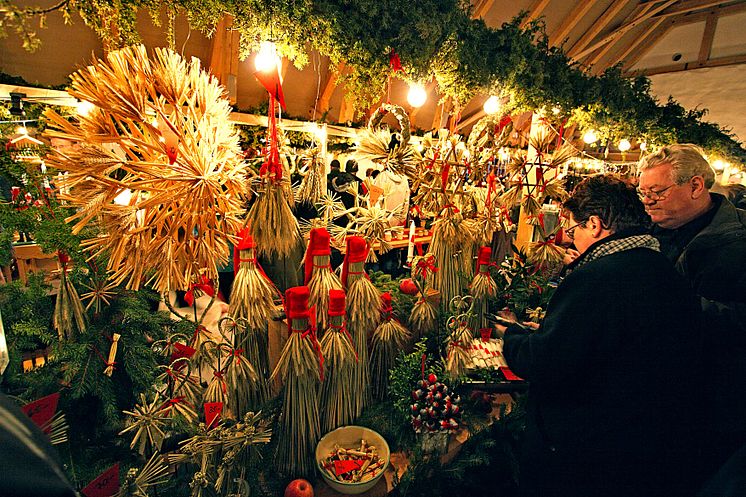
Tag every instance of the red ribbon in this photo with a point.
(424, 265)
(491, 182)
(343, 329)
(204, 285)
(395, 61)
(272, 166)
(219, 376)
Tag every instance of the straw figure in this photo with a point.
(299, 367)
(252, 304)
(271, 218)
(461, 337)
(452, 247)
(482, 287)
(388, 339)
(363, 302)
(313, 185)
(424, 314)
(337, 391)
(160, 141)
(319, 276)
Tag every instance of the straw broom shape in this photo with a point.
(253, 297)
(363, 302)
(68, 308)
(160, 131)
(299, 367)
(457, 350)
(271, 218)
(482, 287)
(313, 185)
(319, 276)
(422, 320)
(337, 391)
(453, 239)
(388, 339)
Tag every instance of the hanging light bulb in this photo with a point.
(643, 146)
(417, 95)
(590, 137)
(556, 110)
(624, 145)
(84, 107)
(266, 58)
(718, 165)
(21, 130)
(492, 105)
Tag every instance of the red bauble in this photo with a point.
(432, 378)
(299, 488)
(408, 287)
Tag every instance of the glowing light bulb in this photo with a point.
(417, 95)
(718, 165)
(492, 105)
(266, 59)
(590, 137)
(21, 130)
(84, 108)
(643, 146)
(624, 145)
(556, 110)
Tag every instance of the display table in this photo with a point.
(30, 258)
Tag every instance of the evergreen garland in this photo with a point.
(437, 40)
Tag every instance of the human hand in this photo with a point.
(507, 314)
(531, 324)
(570, 256)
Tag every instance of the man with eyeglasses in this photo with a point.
(704, 235)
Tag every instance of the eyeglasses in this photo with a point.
(653, 195)
(570, 232)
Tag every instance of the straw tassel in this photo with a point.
(388, 339)
(337, 390)
(319, 276)
(299, 367)
(363, 301)
(482, 287)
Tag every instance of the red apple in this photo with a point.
(299, 488)
(408, 287)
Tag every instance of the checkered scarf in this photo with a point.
(619, 245)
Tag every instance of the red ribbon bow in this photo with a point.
(426, 264)
(204, 285)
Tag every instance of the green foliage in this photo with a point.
(520, 286)
(401, 302)
(407, 372)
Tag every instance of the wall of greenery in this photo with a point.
(434, 39)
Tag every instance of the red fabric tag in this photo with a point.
(509, 375)
(42, 410)
(271, 81)
(212, 413)
(342, 467)
(181, 350)
(105, 485)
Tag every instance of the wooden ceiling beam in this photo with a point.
(569, 22)
(692, 18)
(329, 86)
(651, 38)
(626, 27)
(481, 8)
(630, 47)
(705, 48)
(689, 6)
(534, 12)
(598, 26)
(719, 62)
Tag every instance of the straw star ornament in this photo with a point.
(157, 167)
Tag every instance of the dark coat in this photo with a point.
(612, 373)
(714, 262)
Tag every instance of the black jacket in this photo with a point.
(612, 371)
(714, 262)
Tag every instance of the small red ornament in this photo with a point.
(408, 287)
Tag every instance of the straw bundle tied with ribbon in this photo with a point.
(319, 276)
(271, 218)
(452, 247)
(252, 306)
(337, 390)
(299, 367)
(313, 185)
(388, 339)
(363, 301)
(422, 319)
(482, 287)
(460, 337)
(68, 308)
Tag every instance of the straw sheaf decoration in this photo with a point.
(382, 147)
(338, 392)
(452, 247)
(387, 341)
(300, 368)
(313, 185)
(319, 276)
(160, 142)
(460, 337)
(482, 287)
(363, 303)
(371, 222)
(422, 319)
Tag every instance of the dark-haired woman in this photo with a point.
(612, 369)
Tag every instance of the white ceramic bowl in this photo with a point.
(349, 437)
